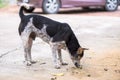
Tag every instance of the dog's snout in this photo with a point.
(77, 65)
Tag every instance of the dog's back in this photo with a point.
(61, 30)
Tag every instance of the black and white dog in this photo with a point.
(58, 35)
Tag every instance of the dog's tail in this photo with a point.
(24, 7)
(21, 14)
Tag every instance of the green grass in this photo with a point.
(3, 3)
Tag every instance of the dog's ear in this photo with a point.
(81, 50)
(85, 48)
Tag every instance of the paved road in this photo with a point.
(101, 62)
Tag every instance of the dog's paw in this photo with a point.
(57, 67)
(33, 62)
(28, 63)
(64, 64)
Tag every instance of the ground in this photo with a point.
(98, 31)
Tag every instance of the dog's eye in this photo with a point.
(77, 58)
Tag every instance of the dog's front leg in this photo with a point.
(60, 58)
(55, 59)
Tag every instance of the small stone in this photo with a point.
(42, 63)
(117, 71)
(89, 75)
(35, 70)
(67, 69)
(54, 78)
(73, 72)
(76, 72)
(73, 68)
(80, 67)
(105, 69)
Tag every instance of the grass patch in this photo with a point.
(3, 3)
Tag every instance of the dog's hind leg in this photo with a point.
(27, 50)
(27, 44)
(30, 42)
(60, 58)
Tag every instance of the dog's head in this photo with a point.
(78, 56)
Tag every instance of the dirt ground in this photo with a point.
(99, 31)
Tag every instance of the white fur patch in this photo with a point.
(39, 33)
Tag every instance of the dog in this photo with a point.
(58, 35)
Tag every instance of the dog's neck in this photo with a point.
(73, 44)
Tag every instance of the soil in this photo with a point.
(100, 34)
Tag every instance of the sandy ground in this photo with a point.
(100, 34)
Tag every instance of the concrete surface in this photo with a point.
(100, 34)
